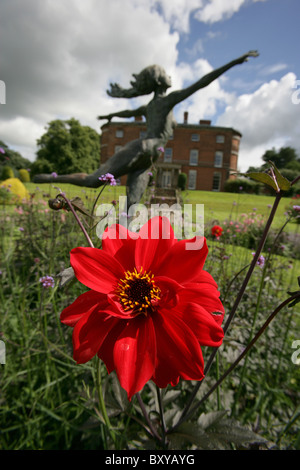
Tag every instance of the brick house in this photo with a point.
(207, 154)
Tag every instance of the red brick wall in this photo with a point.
(182, 145)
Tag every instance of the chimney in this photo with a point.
(205, 122)
(185, 117)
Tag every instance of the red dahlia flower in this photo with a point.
(150, 308)
(216, 231)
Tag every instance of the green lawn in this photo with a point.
(221, 206)
(217, 206)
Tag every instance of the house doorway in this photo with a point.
(166, 179)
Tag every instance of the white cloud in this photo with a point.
(57, 61)
(272, 69)
(177, 12)
(267, 118)
(217, 10)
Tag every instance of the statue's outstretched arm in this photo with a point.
(116, 91)
(180, 95)
(127, 113)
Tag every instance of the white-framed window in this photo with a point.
(195, 137)
(218, 159)
(220, 139)
(194, 157)
(192, 179)
(119, 133)
(166, 179)
(168, 154)
(216, 181)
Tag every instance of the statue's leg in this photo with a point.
(136, 184)
(130, 158)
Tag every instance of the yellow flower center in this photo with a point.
(137, 291)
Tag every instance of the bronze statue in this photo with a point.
(135, 158)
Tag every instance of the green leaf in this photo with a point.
(283, 183)
(262, 178)
(276, 181)
(214, 431)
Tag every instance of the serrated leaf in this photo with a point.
(209, 419)
(191, 433)
(262, 178)
(230, 431)
(66, 276)
(119, 393)
(282, 182)
(219, 433)
(170, 396)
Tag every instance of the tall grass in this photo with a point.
(47, 401)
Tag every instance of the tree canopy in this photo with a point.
(67, 147)
(12, 158)
(285, 159)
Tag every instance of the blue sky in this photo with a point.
(58, 57)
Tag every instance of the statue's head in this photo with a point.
(149, 79)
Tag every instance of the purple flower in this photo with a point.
(150, 173)
(109, 178)
(54, 175)
(21, 229)
(2, 150)
(261, 260)
(161, 149)
(296, 208)
(47, 281)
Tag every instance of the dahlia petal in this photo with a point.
(156, 237)
(89, 333)
(206, 277)
(204, 325)
(178, 351)
(96, 269)
(169, 290)
(205, 295)
(135, 354)
(106, 352)
(82, 305)
(120, 243)
(116, 310)
(181, 264)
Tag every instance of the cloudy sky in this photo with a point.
(57, 58)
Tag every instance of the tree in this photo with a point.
(12, 158)
(67, 146)
(284, 158)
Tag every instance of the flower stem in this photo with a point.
(78, 220)
(161, 412)
(152, 429)
(101, 401)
